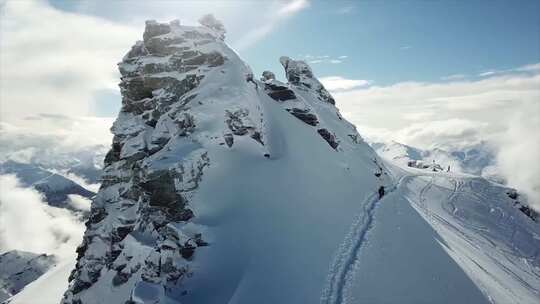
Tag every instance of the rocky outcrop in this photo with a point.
(279, 92)
(299, 74)
(268, 76)
(525, 209)
(304, 115)
(134, 232)
(329, 137)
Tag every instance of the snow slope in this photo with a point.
(496, 245)
(48, 288)
(495, 248)
(221, 188)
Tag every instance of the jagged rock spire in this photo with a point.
(299, 73)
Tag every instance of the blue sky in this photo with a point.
(385, 41)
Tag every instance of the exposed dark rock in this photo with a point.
(512, 194)
(235, 122)
(355, 138)
(162, 191)
(299, 74)
(146, 186)
(187, 251)
(258, 137)
(211, 59)
(305, 116)
(296, 70)
(197, 238)
(186, 124)
(134, 88)
(97, 214)
(153, 29)
(120, 233)
(267, 75)
(325, 96)
(80, 285)
(137, 50)
(121, 277)
(162, 47)
(533, 215)
(329, 137)
(279, 92)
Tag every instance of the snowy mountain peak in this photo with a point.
(195, 131)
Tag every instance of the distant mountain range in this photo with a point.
(55, 187)
(19, 268)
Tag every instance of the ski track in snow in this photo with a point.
(343, 267)
(436, 221)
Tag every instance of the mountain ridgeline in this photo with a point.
(201, 150)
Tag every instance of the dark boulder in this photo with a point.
(229, 139)
(304, 115)
(267, 76)
(329, 137)
(279, 92)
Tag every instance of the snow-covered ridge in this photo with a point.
(191, 111)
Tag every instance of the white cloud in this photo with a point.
(27, 223)
(54, 61)
(487, 73)
(315, 59)
(293, 7)
(270, 21)
(337, 83)
(58, 143)
(535, 67)
(449, 134)
(79, 202)
(456, 114)
(405, 47)
(519, 154)
(454, 77)
(38, 133)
